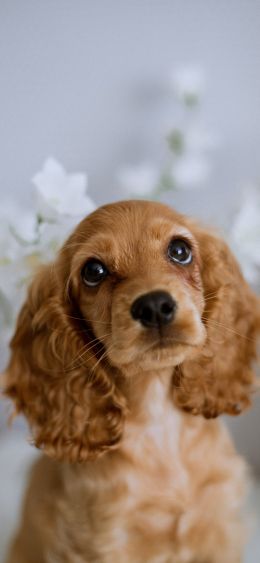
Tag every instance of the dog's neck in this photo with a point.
(152, 423)
(147, 392)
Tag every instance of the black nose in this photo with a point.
(154, 309)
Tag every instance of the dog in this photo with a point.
(128, 347)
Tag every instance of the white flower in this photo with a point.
(245, 235)
(60, 192)
(11, 217)
(188, 83)
(190, 171)
(140, 180)
(25, 228)
(54, 235)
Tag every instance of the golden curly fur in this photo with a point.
(147, 481)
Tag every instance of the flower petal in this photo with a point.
(58, 192)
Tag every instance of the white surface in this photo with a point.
(16, 457)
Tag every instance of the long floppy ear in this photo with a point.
(220, 379)
(73, 407)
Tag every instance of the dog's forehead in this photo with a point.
(131, 221)
(129, 233)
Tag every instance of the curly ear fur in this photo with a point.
(73, 406)
(219, 380)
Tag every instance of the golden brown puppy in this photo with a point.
(143, 321)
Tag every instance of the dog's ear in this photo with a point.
(220, 379)
(55, 379)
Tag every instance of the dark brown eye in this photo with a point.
(94, 272)
(179, 251)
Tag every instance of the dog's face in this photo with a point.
(137, 280)
(137, 287)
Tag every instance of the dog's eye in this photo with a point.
(179, 251)
(93, 272)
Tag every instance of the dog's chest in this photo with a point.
(150, 487)
(150, 496)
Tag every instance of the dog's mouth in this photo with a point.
(166, 351)
(166, 343)
(169, 349)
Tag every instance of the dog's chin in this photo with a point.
(158, 356)
(164, 356)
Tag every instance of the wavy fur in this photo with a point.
(147, 481)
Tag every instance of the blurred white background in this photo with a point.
(86, 81)
(89, 83)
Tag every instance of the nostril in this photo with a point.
(167, 308)
(148, 314)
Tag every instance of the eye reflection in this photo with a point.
(94, 272)
(179, 251)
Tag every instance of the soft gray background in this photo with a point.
(86, 81)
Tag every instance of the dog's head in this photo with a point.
(137, 287)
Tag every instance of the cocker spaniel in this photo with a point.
(140, 332)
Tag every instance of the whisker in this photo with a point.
(88, 320)
(102, 357)
(89, 347)
(212, 296)
(150, 346)
(55, 330)
(73, 364)
(229, 329)
(85, 352)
